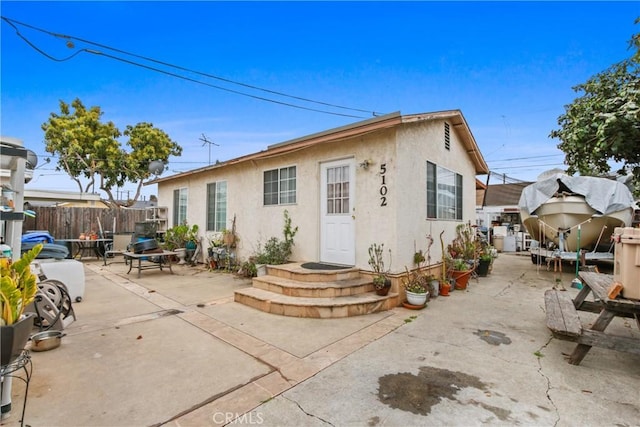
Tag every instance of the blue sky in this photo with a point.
(508, 66)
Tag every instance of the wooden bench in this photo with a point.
(562, 316)
(563, 320)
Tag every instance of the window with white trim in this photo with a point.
(180, 197)
(217, 206)
(444, 193)
(280, 186)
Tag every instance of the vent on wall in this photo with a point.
(447, 138)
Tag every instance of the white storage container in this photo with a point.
(626, 260)
(509, 243)
(68, 271)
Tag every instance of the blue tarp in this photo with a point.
(49, 249)
(37, 237)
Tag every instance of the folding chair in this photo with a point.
(118, 246)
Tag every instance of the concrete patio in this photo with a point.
(176, 350)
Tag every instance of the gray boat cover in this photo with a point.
(602, 194)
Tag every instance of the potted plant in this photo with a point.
(229, 238)
(432, 280)
(213, 250)
(181, 238)
(445, 287)
(484, 263)
(461, 273)
(376, 260)
(180, 235)
(416, 288)
(465, 245)
(18, 290)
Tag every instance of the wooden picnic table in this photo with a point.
(564, 322)
(163, 259)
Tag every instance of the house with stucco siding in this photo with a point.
(392, 179)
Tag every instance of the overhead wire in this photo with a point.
(12, 22)
(527, 158)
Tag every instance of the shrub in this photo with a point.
(277, 251)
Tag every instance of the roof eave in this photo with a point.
(360, 128)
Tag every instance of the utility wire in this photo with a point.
(529, 166)
(526, 158)
(70, 44)
(95, 52)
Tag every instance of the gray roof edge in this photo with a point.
(338, 129)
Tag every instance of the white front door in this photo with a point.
(337, 202)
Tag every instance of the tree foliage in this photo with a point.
(604, 123)
(89, 150)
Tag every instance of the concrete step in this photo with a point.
(295, 271)
(324, 289)
(321, 308)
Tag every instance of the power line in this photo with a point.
(526, 158)
(95, 52)
(522, 167)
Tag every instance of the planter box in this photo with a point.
(13, 338)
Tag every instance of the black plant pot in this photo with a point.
(385, 289)
(483, 268)
(13, 338)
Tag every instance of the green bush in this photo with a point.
(277, 251)
(249, 269)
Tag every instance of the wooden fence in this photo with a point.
(69, 223)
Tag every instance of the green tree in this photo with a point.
(604, 123)
(89, 150)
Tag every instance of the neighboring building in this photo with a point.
(498, 214)
(497, 204)
(69, 199)
(392, 179)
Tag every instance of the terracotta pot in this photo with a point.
(444, 289)
(462, 278)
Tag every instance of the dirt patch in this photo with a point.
(419, 393)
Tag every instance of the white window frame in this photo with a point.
(180, 202)
(444, 193)
(217, 206)
(286, 187)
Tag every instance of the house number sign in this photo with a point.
(383, 184)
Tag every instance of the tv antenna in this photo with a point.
(205, 140)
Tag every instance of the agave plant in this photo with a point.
(18, 286)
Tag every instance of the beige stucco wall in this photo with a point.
(404, 151)
(418, 143)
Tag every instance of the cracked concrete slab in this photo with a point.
(525, 380)
(175, 349)
(131, 360)
(298, 336)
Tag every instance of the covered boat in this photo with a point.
(556, 206)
